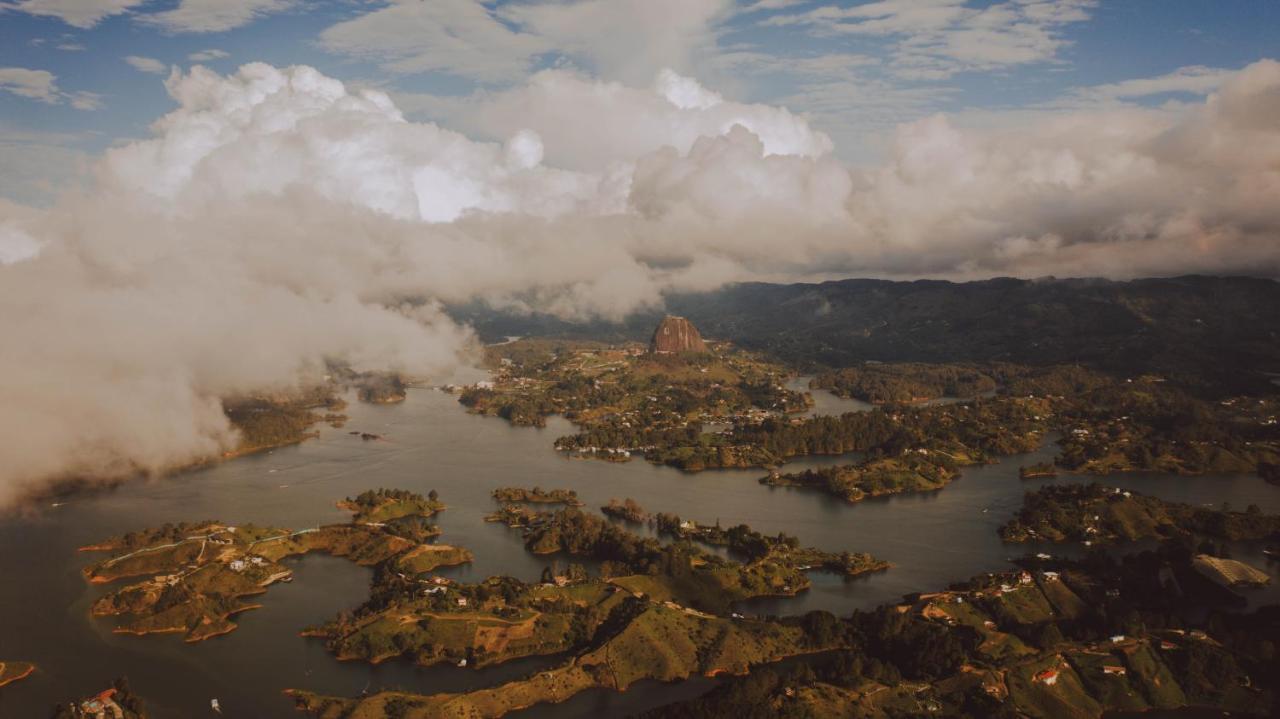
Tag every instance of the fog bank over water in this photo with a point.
(278, 218)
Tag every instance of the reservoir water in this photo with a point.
(432, 443)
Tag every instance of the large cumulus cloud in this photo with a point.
(278, 218)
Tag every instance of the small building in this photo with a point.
(1113, 670)
(462, 601)
(237, 565)
(1048, 677)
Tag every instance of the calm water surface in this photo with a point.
(432, 443)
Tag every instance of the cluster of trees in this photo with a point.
(380, 387)
(616, 432)
(263, 423)
(166, 533)
(128, 701)
(621, 552)
(536, 495)
(982, 427)
(657, 394)
(872, 477)
(628, 509)
(906, 382)
(740, 539)
(371, 498)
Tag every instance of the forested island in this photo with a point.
(537, 495)
(915, 472)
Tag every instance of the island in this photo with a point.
(628, 510)
(200, 573)
(380, 387)
(378, 506)
(915, 472)
(276, 420)
(536, 495)
(1094, 513)
(782, 549)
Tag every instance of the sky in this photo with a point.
(77, 76)
(203, 199)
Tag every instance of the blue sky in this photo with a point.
(68, 88)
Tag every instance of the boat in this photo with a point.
(216, 706)
(1272, 553)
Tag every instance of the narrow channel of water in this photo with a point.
(432, 443)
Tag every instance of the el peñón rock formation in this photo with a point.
(676, 334)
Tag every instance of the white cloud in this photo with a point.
(38, 166)
(934, 39)
(462, 37)
(360, 151)
(627, 39)
(250, 273)
(147, 64)
(207, 55)
(78, 13)
(35, 84)
(204, 16)
(84, 100)
(72, 47)
(760, 5)
(588, 124)
(1194, 80)
(42, 85)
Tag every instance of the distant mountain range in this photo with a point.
(1221, 333)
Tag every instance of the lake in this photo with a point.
(431, 442)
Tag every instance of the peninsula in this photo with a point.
(200, 573)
